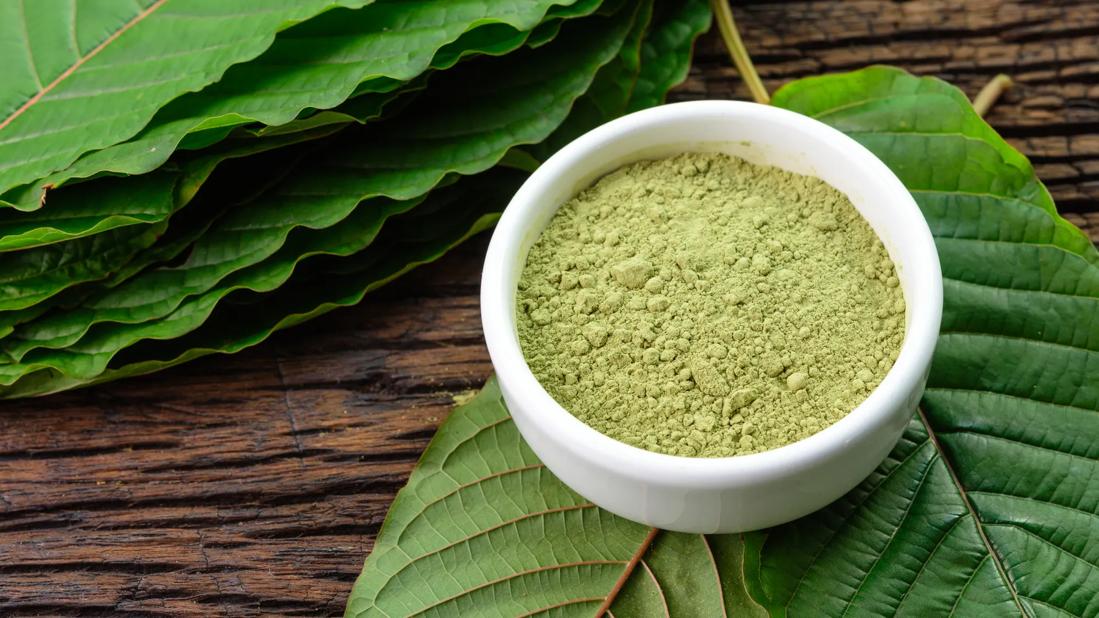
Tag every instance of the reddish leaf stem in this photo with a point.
(626, 571)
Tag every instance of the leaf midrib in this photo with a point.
(892, 538)
(835, 533)
(627, 570)
(977, 521)
(29, 103)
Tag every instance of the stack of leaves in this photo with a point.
(988, 505)
(184, 177)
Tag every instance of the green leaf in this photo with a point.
(247, 317)
(67, 292)
(484, 529)
(987, 506)
(493, 39)
(31, 276)
(666, 51)
(80, 80)
(610, 90)
(42, 278)
(897, 108)
(111, 202)
(626, 84)
(65, 219)
(1014, 386)
(317, 64)
(528, 541)
(493, 101)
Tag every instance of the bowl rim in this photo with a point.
(514, 375)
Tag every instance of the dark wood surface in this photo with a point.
(254, 484)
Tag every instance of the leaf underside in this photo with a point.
(987, 506)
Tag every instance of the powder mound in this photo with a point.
(704, 306)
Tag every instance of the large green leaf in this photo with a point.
(112, 202)
(317, 64)
(666, 52)
(33, 278)
(79, 78)
(246, 318)
(482, 528)
(610, 90)
(65, 218)
(627, 83)
(498, 103)
(1012, 400)
(987, 506)
(102, 259)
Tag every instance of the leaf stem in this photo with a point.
(729, 33)
(626, 571)
(988, 95)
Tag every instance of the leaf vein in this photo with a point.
(659, 589)
(847, 520)
(1000, 438)
(80, 61)
(923, 567)
(1051, 606)
(1019, 290)
(1031, 499)
(976, 391)
(892, 537)
(717, 574)
(547, 608)
(627, 571)
(999, 241)
(1038, 342)
(978, 524)
(968, 581)
(481, 533)
(552, 567)
(465, 486)
(1006, 524)
(27, 41)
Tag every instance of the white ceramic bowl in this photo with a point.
(694, 494)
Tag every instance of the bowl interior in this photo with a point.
(761, 135)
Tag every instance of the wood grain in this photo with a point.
(254, 484)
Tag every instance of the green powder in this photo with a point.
(704, 306)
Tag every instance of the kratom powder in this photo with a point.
(704, 306)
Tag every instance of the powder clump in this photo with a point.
(704, 306)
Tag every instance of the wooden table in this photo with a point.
(254, 484)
